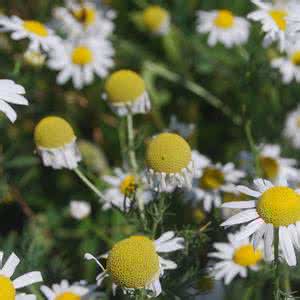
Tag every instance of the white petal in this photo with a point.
(241, 217)
(250, 229)
(287, 246)
(10, 265)
(27, 279)
(240, 204)
(245, 190)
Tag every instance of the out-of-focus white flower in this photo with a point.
(80, 209)
(292, 127)
(293, 22)
(34, 58)
(183, 129)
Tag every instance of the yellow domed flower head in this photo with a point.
(169, 161)
(156, 19)
(56, 143)
(125, 91)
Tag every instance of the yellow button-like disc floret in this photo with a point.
(212, 178)
(247, 256)
(53, 132)
(7, 289)
(82, 55)
(85, 15)
(269, 167)
(279, 17)
(279, 206)
(128, 185)
(168, 153)
(124, 86)
(296, 58)
(224, 19)
(133, 262)
(154, 17)
(36, 28)
(67, 296)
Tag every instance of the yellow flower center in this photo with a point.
(128, 185)
(279, 18)
(8, 291)
(247, 256)
(224, 19)
(154, 17)
(85, 15)
(212, 178)
(269, 167)
(198, 215)
(36, 28)
(168, 153)
(124, 86)
(82, 55)
(279, 206)
(296, 58)
(53, 132)
(67, 296)
(133, 262)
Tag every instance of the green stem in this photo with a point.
(88, 183)
(287, 283)
(277, 265)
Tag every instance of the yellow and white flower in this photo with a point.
(169, 162)
(80, 60)
(80, 209)
(10, 92)
(9, 287)
(224, 27)
(212, 180)
(292, 127)
(276, 168)
(125, 91)
(236, 258)
(40, 36)
(273, 19)
(56, 143)
(65, 291)
(134, 263)
(276, 207)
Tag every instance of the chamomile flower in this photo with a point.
(56, 143)
(276, 168)
(236, 258)
(224, 27)
(156, 19)
(9, 287)
(169, 162)
(10, 92)
(123, 187)
(125, 91)
(66, 291)
(40, 36)
(212, 180)
(134, 263)
(276, 207)
(80, 60)
(292, 127)
(80, 209)
(273, 20)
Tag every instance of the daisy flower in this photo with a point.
(125, 91)
(292, 127)
(236, 258)
(9, 287)
(40, 36)
(273, 20)
(80, 60)
(56, 143)
(212, 180)
(80, 209)
(10, 92)
(169, 162)
(122, 188)
(289, 66)
(134, 263)
(157, 19)
(276, 207)
(224, 27)
(276, 168)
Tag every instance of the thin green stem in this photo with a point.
(277, 265)
(286, 282)
(88, 183)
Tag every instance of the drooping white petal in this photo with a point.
(27, 279)
(286, 246)
(241, 217)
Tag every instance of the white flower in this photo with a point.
(292, 127)
(80, 60)
(8, 286)
(273, 20)
(223, 27)
(138, 244)
(65, 290)
(39, 35)
(212, 180)
(237, 256)
(80, 209)
(276, 207)
(183, 129)
(10, 92)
